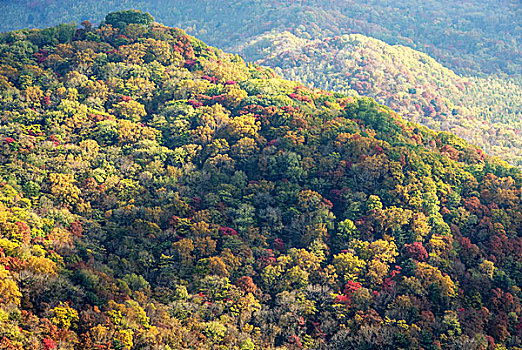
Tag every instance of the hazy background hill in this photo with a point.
(485, 110)
(470, 36)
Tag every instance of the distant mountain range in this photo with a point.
(465, 35)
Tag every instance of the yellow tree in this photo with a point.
(64, 316)
(9, 292)
(431, 275)
(64, 189)
(244, 126)
(132, 54)
(348, 266)
(130, 110)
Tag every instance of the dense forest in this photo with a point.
(484, 111)
(158, 193)
(468, 36)
(480, 39)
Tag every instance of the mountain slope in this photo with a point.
(484, 111)
(158, 193)
(476, 38)
(468, 36)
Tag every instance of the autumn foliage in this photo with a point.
(157, 193)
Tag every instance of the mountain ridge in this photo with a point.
(159, 193)
(480, 110)
(476, 37)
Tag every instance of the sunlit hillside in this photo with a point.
(158, 193)
(486, 111)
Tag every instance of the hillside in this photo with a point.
(469, 36)
(484, 111)
(477, 96)
(157, 193)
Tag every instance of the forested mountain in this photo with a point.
(481, 39)
(468, 36)
(158, 193)
(484, 111)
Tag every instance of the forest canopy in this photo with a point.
(472, 88)
(486, 111)
(158, 193)
(473, 36)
